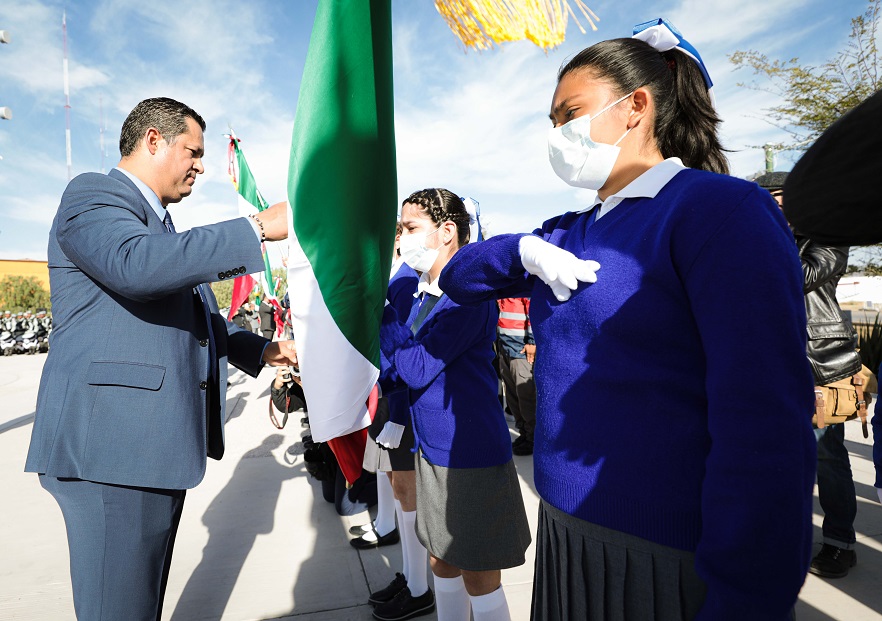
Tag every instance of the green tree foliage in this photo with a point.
(814, 97)
(19, 293)
(223, 291)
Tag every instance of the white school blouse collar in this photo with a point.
(396, 266)
(425, 286)
(149, 195)
(646, 185)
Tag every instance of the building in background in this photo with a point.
(25, 267)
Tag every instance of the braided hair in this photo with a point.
(443, 206)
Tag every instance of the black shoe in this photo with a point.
(833, 562)
(406, 606)
(518, 441)
(524, 448)
(361, 530)
(360, 543)
(386, 595)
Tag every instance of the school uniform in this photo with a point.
(647, 454)
(470, 511)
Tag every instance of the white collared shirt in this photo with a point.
(646, 185)
(424, 286)
(149, 195)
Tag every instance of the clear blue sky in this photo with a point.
(473, 122)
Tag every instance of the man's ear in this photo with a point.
(152, 138)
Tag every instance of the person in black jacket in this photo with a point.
(832, 352)
(267, 315)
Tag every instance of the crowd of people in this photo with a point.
(24, 332)
(261, 318)
(627, 335)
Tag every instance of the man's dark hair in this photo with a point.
(771, 181)
(168, 116)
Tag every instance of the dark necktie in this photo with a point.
(170, 227)
(427, 303)
(167, 221)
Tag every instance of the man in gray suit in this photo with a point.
(133, 391)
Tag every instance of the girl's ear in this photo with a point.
(641, 105)
(451, 234)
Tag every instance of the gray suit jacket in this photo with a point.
(128, 395)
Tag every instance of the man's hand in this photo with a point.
(558, 268)
(529, 351)
(280, 353)
(275, 221)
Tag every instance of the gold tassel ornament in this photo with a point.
(481, 24)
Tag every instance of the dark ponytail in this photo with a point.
(685, 123)
(443, 206)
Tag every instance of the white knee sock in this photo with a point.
(451, 599)
(385, 522)
(399, 513)
(490, 607)
(417, 556)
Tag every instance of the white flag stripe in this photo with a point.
(337, 378)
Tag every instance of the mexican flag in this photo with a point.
(343, 197)
(251, 201)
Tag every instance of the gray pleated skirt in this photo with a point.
(472, 518)
(587, 572)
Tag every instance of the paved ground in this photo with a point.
(258, 542)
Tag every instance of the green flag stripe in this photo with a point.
(247, 186)
(342, 180)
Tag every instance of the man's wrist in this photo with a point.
(258, 227)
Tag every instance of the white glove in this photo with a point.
(558, 268)
(390, 437)
(879, 493)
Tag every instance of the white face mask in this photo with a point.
(576, 158)
(415, 253)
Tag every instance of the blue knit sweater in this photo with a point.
(402, 286)
(674, 395)
(447, 371)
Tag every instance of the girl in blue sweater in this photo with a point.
(670, 321)
(470, 513)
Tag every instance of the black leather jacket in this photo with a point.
(832, 341)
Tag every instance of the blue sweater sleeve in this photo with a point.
(492, 269)
(401, 290)
(390, 382)
(419, 361)
(757, 489)
(489, 270)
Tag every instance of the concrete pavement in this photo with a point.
(257, 541)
